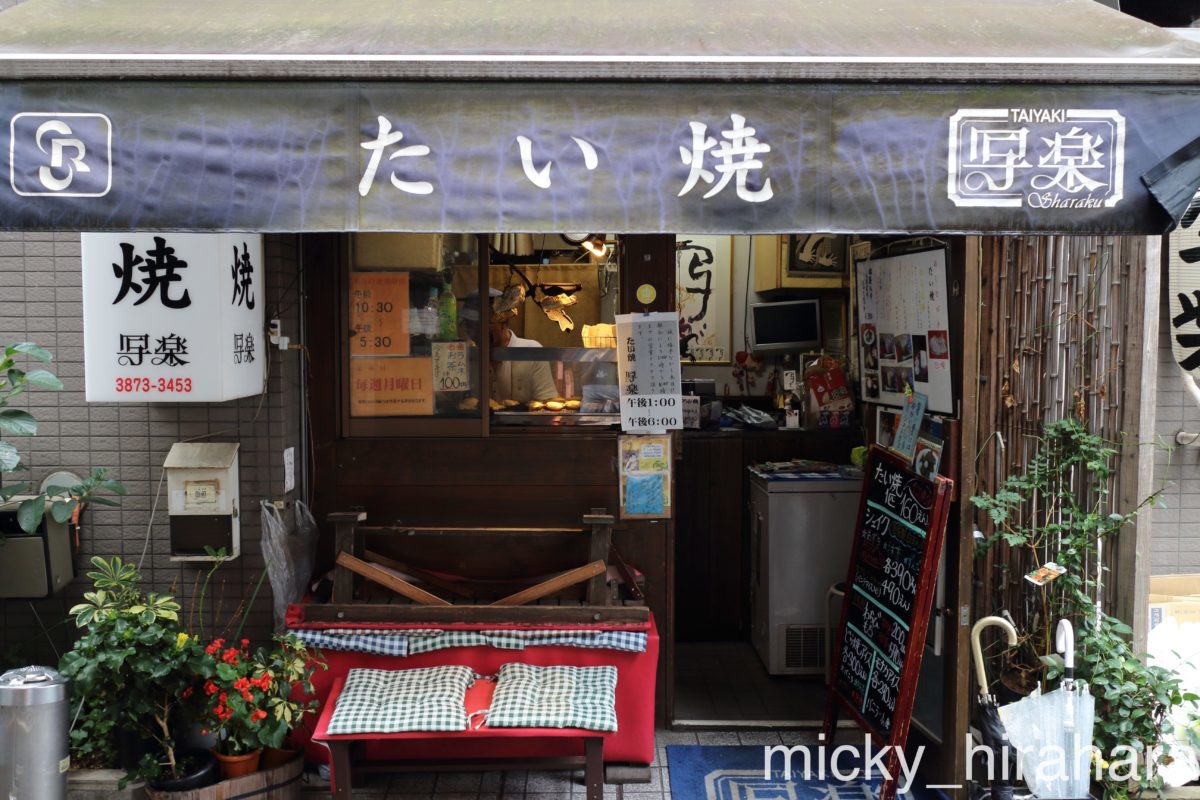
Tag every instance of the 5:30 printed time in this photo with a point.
(153, 385)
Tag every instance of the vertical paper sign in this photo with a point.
(172, 317)
(391, 387)
(379, 313)
(911, 414)
(648, 372)
(691, 412)
(450, 373)
(645, 477)
(1184, 290)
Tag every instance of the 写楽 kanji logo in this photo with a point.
(1053, 158)
(60, 155)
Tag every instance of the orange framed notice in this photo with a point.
(379, 314)
(391, 387)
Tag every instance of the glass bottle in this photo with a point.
(429, 315)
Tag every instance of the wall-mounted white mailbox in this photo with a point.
(202, 491)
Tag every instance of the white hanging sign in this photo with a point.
(172, 317)
(648, 372)
(1184, 289)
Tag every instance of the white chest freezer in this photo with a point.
(801, 534)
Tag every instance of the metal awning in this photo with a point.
(1053, 41)
(757, 116)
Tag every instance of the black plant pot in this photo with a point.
(201, 770)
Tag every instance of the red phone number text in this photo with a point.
(152, 385)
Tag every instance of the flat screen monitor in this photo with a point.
(790, 325)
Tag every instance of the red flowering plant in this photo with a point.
(247, 699)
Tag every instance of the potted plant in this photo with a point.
(1057, 510)
(131, 670)
(254, 699)
(291, 698)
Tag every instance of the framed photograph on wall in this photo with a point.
(816, 254)
(704, 297)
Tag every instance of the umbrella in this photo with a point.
(991, 728)
(1052, 732)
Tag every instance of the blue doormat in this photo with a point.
(705, 772)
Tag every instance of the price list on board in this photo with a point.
(648, 372)
(889, 593)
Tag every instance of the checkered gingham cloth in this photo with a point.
(352, 640)
(623, 641)
(555, 697)
(411, 642)
(395, 700)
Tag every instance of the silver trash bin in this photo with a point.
(33, 735)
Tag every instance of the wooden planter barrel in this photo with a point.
(279, 783)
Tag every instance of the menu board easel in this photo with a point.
(889, 594)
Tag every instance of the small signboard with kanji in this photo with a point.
(173, 317)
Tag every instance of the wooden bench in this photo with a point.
(476, 578)
(344, 762)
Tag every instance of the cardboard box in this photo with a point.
(1183, 610)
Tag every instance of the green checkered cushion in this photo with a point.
(555, 697)
(395, 700)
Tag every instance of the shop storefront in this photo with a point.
(459, 365)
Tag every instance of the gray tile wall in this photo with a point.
(1175, 544)
(41, 301)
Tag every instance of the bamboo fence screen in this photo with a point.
(1059, 334)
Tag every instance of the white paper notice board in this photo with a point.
(904, 329)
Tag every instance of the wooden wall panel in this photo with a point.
(475, 505)
(540, 459)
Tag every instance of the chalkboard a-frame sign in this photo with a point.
(889, 592)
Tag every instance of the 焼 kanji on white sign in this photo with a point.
(648, 372)
(1184, 289)
(172, 317)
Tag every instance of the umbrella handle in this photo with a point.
(977, 650)
(1064, 642)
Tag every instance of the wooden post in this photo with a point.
(339, 754)
(601, 523)
(344, 541)
(956, 695)
(1140, 396)
(593, 776)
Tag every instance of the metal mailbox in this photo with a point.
(202, 490)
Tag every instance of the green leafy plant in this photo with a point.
(1055, 510)
(63, 500)
(132, 668)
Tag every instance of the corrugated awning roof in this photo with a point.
(1056, 41)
